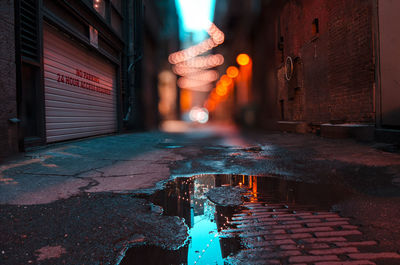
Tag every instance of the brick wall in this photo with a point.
(350, 55)
(8, 104)
(337, 77)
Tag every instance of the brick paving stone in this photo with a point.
(337, 219)
(307, 258)
(327, 224)
(254, 203)
(272, 225)
(259, 249)
(301, 236)
(334, 251)
(279, 204)
(263, 261)
(240, 214)
(261, 233)
(286, 226)
(280, 210)
(323, 213)
(283, 241)
(309, 221)
(280, 254)
(235, 230)
(254, 207)
(238, 222)
(269, 243)
(382, 255)
(277, 231)
(360, 243)
(349, 227)
(337, 233)
(291, 218)
(243, 218)
(313, 229)
(291, 213)
(316, 246)
(320, 216)
(324, 239)
(293, 236)
(273, 261)
(288, 247)
(264, 208)
(358, 262)
(250, 224)
(258, 244)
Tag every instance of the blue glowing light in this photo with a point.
(195, 14)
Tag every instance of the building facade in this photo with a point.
(319, 65)
(69, 63)
(8, 105)
(78, 68)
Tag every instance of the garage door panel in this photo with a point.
(54, 100)
(67, 125)
(80, 89)
(54, 66)
(77, 93)
(74, 130)
(62, 112)
(76, 119)
(63, 137)
(74, 106)
(55, 49)
(81, 101)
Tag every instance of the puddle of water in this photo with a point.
(152, 255)
(207, 244)
(169, 145)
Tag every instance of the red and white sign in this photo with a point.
(80, 86)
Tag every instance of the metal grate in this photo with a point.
(29, 29)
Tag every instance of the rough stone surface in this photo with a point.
(225, 196)
(89, 229)
(77, 195)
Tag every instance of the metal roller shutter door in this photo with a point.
(80, 90)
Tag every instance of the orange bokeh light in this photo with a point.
(226, 80)
(211, 105)
(232, 71)
(243, 59)
(221, 90)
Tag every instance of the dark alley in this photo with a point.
(200, 132)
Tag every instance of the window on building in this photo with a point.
(111, 11)
(116, 21)
(100, 7)
(315, 26)
(117, 5)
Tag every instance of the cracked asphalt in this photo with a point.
(84, 202)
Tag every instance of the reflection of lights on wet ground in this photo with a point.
(197, 114)
(204, 247)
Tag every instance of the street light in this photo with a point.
(243, 59)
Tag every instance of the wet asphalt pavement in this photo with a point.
(112, 199)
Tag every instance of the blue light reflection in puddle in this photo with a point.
(204, 242)
(185, 197)
(211, 240)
